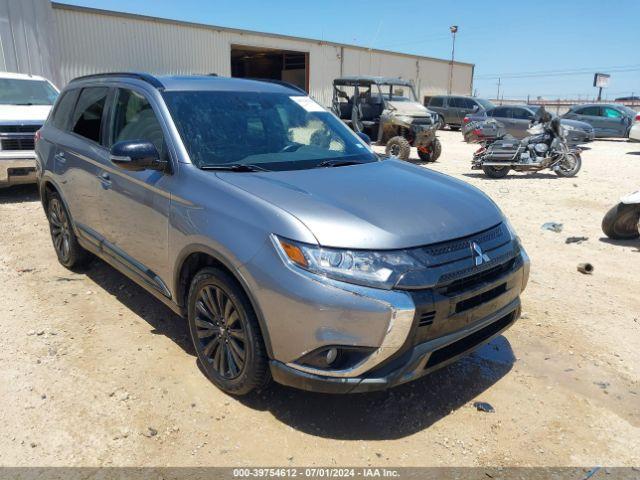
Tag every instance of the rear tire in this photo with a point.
(495, 172)
(441, 125)
(621, 222)
(69, 252)
(398, 147)
(225, 333)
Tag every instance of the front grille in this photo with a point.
(469, 342)
(19, 128)
(481, 298)
(18, 143)
(481, 238)
(471, 281)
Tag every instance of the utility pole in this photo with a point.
(453, 29)
(498, 95)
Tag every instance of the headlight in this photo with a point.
(378, 269)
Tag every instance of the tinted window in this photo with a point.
(64, 108)
(134, 119)
(521, 114)
(436, 102)
(456, 102)
(275, 131)
(612, 113)
(501, 112)
(468, 103)
(15, 91)
(592, 111)
(87, 117)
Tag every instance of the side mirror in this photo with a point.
(137, 155)
(475, 108)
(364, 137)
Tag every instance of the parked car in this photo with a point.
(452, 109)
(608, 120)
(517, 119)
(315, 263)
(25, 101)
(634, 132)
(387, 111)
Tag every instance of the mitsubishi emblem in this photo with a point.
(479, 257)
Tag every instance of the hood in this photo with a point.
(381, 205)
(413, 109)
(16, 114)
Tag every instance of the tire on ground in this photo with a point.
(621, 222)
(254, 373)
(399, 147)
(65, 243)
(495, 172)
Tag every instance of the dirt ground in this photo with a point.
(95, 372)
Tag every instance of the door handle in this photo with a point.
(105, 180)
(59, 157)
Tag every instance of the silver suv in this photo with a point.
(294, 252)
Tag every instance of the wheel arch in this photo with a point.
(195, 257)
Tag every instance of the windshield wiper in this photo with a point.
(338, 163)
(235, 167)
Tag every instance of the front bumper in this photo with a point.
(17, 167)
(445, 327)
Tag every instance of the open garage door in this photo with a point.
(256, 62)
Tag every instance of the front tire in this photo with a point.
(69, 252)
(622, 222)
(398, 147)
(495, 172)
(569, 167)
(225, 333)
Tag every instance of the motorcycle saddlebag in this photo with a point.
(502, 150)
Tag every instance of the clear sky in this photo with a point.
(538, 47)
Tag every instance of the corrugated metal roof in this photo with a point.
(238, 30)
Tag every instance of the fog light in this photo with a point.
(332, 354)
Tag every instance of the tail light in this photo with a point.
(467, 120)
(37, 136)
(638, 117)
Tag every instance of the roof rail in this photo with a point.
(146, 77)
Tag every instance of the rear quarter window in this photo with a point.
(436, 102)
(63, 109)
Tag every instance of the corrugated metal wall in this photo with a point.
(26, 38)
(92, 42)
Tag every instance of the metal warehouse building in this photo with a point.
(61, 42)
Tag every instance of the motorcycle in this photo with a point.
(622, 222)
(545, 147)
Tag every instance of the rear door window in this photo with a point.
(521, 114)
(64, 109)
(501, 112)
(134, 119)
(87, 118)
(590, 111)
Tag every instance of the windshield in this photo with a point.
(273, 131)
(26, 92)
(397, 93)
(486, 104)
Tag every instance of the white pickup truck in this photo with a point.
(25, 101)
